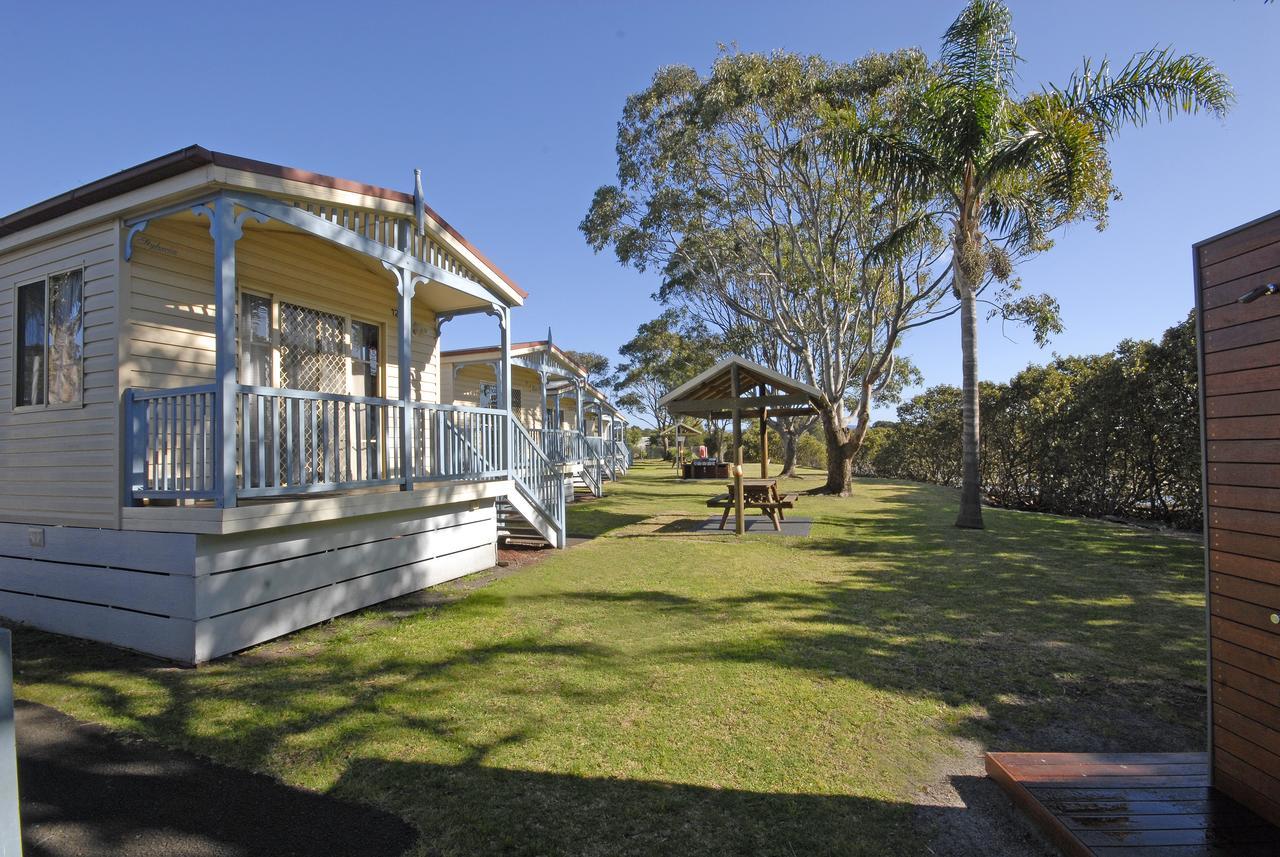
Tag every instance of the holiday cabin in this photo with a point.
(576, 425)
(220, 406)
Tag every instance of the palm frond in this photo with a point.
(975, 79)
(1155, 82)
(979, 49)
(901, 162)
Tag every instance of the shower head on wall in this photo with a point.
(1261, 291)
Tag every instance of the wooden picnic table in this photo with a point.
(759, 494)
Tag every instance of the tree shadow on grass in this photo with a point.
(534, 813)
(589, 522)
(1055, 634)
(471, 806)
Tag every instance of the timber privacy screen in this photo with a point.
(1240, 406)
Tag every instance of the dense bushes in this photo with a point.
(1105, 435)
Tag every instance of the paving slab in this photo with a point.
(756, 525)
(87, 792)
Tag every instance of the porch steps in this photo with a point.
(513, 525)
(581, 490)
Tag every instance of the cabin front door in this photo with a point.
(365, 366)
(313, 357)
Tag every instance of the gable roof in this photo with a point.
(194, 157)
(711, 392)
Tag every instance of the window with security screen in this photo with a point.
(313, 350)
(489, 397)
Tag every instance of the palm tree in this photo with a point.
(1006, 169)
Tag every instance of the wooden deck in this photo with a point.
(1131, 805)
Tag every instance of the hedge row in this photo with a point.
(1109, 435)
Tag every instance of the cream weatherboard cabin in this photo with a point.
(573, 422)
(221, 409)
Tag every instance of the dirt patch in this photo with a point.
(964, 813)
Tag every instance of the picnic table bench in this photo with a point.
(759, 494)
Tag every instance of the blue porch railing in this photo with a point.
(293, 442)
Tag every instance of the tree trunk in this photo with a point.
(787, 431)
(971, 466)
(840, 453)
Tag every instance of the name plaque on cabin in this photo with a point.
(154, 246)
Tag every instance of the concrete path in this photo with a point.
(86, 792)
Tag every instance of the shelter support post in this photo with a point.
(740, 524)
(739, 501)
(764, 440)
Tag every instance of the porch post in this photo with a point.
(577, 389)
(404, 367)
(504, 384)
(225, 232)
(542, 415)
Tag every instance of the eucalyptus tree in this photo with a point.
(727, 187)
(599, 371)
(664, 353)
(1007, 169)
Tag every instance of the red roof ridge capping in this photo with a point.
(477, 349)
(192, 157)
(480, 349)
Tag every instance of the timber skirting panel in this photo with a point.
(190, 598)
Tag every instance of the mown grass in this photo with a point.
(652, 692)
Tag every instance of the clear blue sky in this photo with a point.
(510, 110)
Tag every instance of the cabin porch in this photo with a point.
(574, 424)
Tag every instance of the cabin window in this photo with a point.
(489, 397)
(313, 350)
(364, 358)
(49, 340)
(256, 347)
(297, 347)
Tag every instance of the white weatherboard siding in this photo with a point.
(191, 597)
(58, 465)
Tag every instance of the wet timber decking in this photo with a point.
(1131, 805)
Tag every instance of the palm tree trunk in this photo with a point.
(971, 465)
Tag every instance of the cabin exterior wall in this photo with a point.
(58, 464)
(1240, 402)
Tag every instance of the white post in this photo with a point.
(582, 426)
(405, 369)
(10, 826)
(508, 439)
(225, 232)
(542, 415)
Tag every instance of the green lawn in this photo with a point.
(651, 692)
